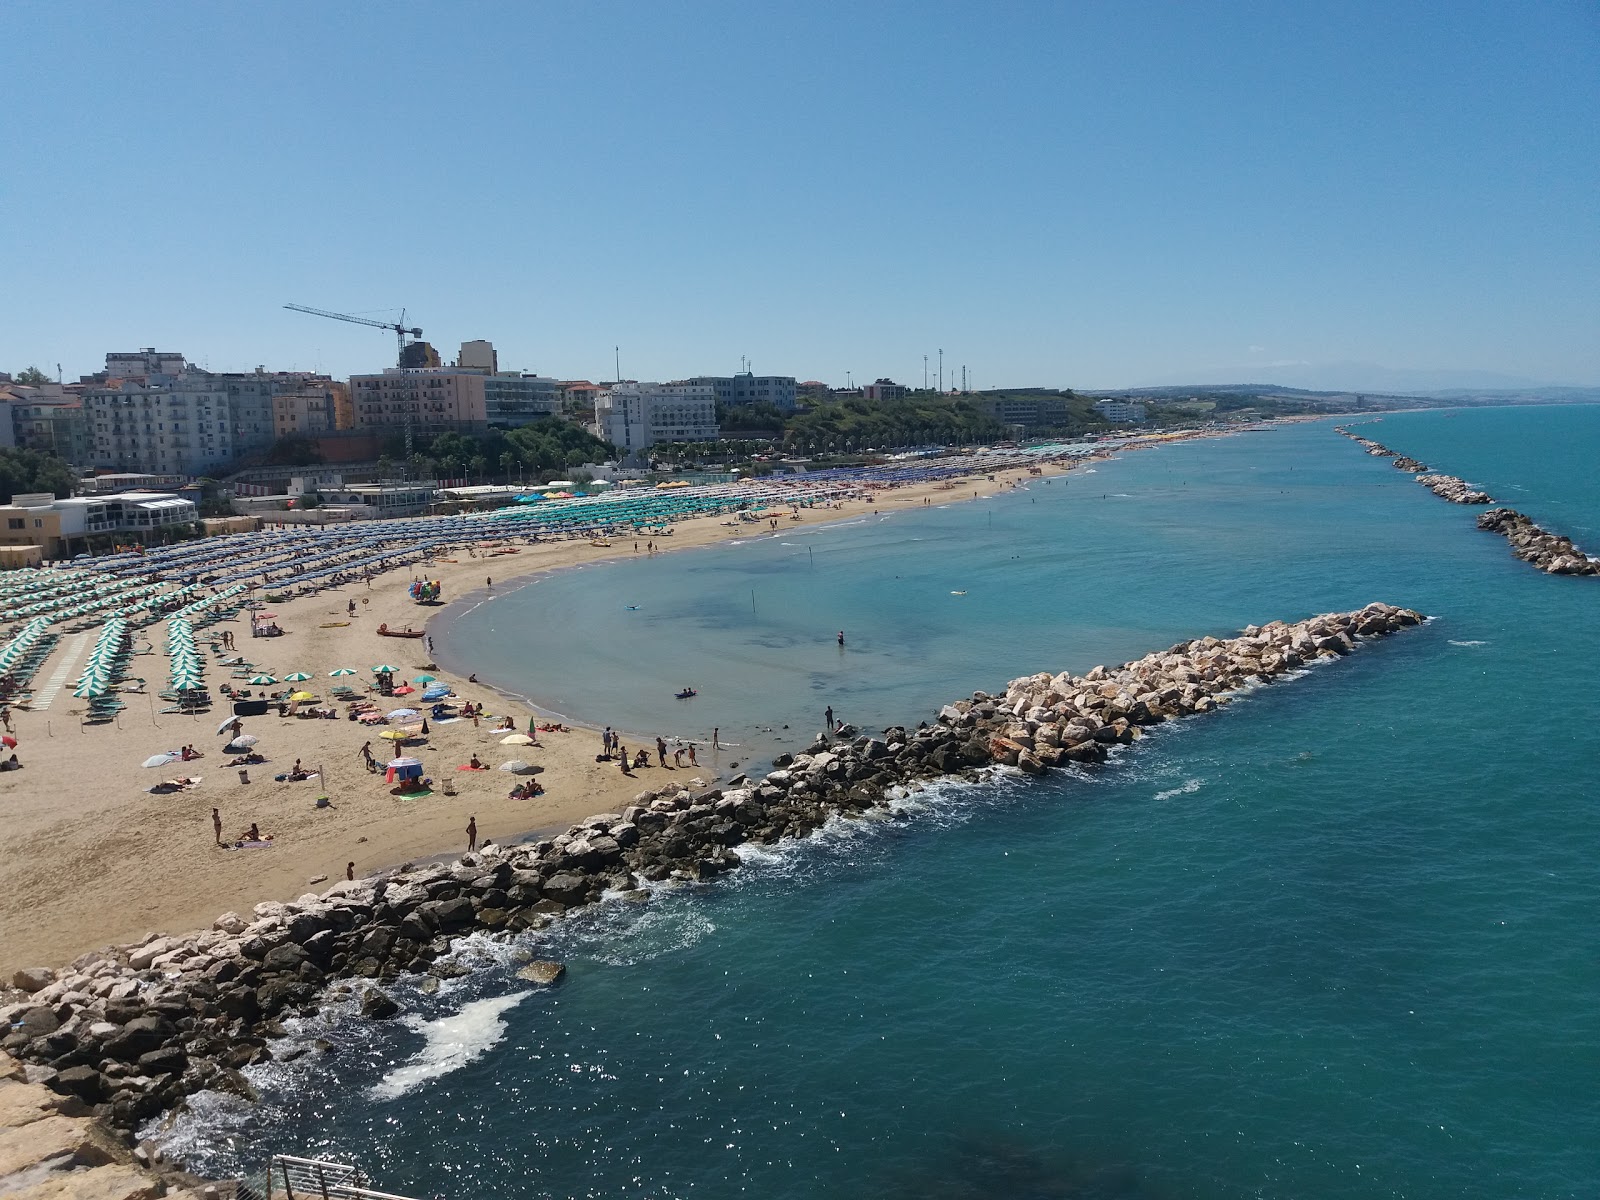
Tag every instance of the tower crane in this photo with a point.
(400, 329)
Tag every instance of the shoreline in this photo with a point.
(136, 1029)
(118, 862)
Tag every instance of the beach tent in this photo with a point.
(400, 769)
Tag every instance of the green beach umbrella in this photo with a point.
(297, 677)
(262, 680)
(423, 679)
(339, 672)
(382, 667)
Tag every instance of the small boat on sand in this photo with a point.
(385, 631)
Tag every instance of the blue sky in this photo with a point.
(1092, 195)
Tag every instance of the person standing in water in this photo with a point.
(828, 716)
(841, 637)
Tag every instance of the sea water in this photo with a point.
(1335, 940)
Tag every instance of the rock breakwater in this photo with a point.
(1446, 487)
(1549, 552)
(131, 1030)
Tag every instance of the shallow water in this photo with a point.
(1335, 940)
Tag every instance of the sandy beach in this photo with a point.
(90, 857)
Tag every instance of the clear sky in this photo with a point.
(1063, 194)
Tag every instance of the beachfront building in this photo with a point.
(152, 411)
(61, 528)
(748, 388)
(428, 399)
(635, 416)
(512, 400)
(162, 424)
(1120, 411)
(369, 501)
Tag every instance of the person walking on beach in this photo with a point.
(624, 760)
(349, 870)
(692, 761)
(488, 581)
(366, 757)
(216, 825)
(661, 751)
(605, 740)
(472, 833)
(430, 645)
(714, 733)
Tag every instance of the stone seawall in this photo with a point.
(1549, 552)
(131, 1030)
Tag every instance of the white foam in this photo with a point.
(1453, 642)
(1187, 788)
(453, 1042)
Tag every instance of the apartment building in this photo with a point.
(431, 399)
(635, 416)
(748, 388)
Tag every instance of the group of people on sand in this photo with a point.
(250, 837)
(613, 749)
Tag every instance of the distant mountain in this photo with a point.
(1368, 378)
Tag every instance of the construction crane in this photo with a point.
(399, 329)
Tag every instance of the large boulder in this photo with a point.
(33, 979)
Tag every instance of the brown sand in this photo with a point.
(89, 857)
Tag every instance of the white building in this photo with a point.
(1120, 411)
(635, 416)
(479, 356)
(512, 400)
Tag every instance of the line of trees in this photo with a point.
(548, 445)
(34, 471)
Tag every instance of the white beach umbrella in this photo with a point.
(161, 760)
(516, 766)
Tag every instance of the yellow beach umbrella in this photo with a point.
(517, 739)
(394, 735)
(302, 696)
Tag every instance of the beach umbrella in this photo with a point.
(243, 742)
(438, 693)
(262, 680)
(339, 672)
(302, 696)
(516, 766)
(424, 679)
(161, 760)
(297, 677)
(394, 735)
(404, 689)
(517, 739)
(228, 724)
(395, 764)
(401, 714)
(9, 742)
(382, 667)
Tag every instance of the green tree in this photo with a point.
(33, 377)
(33, 471)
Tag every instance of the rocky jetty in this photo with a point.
(1446, 487)
(1549, 552)
(131, 1030)
(1457, 491)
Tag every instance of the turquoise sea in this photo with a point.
(1337, 940)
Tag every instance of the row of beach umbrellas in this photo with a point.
(27, 637)
(187, 669)
(111, 645)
